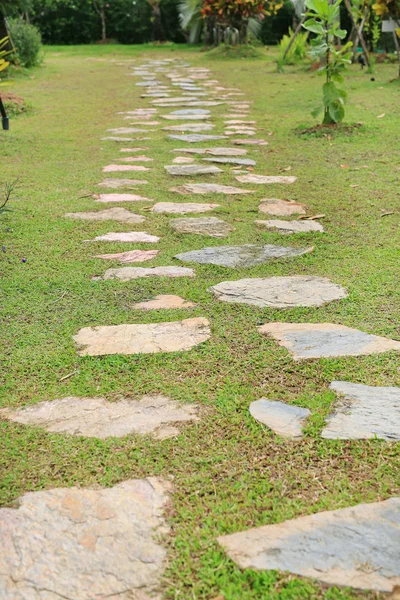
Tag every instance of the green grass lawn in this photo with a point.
(229, 472)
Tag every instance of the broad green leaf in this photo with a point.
(336, 111)
(313, 26)
(341, 33)
(317, 110)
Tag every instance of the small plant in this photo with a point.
(3, 53)
(297, 51)
(8, 189)
(323, 20)
(27, 41)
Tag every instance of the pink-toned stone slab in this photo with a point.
(129, 159)
(148, 123)
(239, 122)
(117, 183)
(182, 208)
(281, 208)
(117, 139)
(214, 151)
(128, 130)
(116, 168)
(127, 236)
(133, 149)
(180, 160)
(150, 338)
(110, 214)
(120, 198)
(131, 256)
(164, 302)
(289, 227)
(265, 179)
(209, 188)
(250, 142)
(129, 273)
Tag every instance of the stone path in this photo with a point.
(182, 208)
(128, 273)
(288, 227)
(284, 419)
(110, 214)
(240, 256)
(210, 226)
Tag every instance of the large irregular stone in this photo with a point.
(180, 160)
(232, 161)
(117, 183)
(120, 168)
(210, 188)
(143, 339)
(131, 256)
(128, 273)
(182, 208)
(192, 170)
(280, 292)
(186, 117)
(127, 236)
(213, 151)
(250, 142)
(281, 208)
(189, 112)
(96, 417)
(289, 227)
(129, 159)
(202, 226)
(193, 138)
(195, 127)
(364, 412)
(128, 130)
(110, 214)
(284, 419)
(240, 256)
(265, 179)
(354, 547)
(85, 544)
(164, 302)
(104, 198)
(316, 340)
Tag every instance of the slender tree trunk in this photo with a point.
(360, 35)
(103, 23)
(295, 34)
(327, 117)
(359, 31)
(397, 46)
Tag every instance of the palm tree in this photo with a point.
(191, 19)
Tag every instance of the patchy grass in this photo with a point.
(230, 473)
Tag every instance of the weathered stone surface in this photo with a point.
(181, 160)
(83, 543)
(104, 198)
(187, 112)
(250, 142)
(129, 159)
(192, 138)
(143, 339)
(213, 151)
(128, 130)
(189, 102)
(210, 188)
(232, 161)
(182, 208)
(195, 117)
(289, 227)
(128, 273)
(119, 168)
(195, 127)
(210, 226)
(96, 417)
(281, 208)
(364, 412)
(132, 150)
(267, 179)
(110, 214)
(127, 236)
(247, 255)
(240, 131)
(284, 419)
(116, 139)
(316, 340)
(280, 292)
(117, 183)
(239, 122)
(356, 547)
(192, 170)
(131, 256)
(164, 302)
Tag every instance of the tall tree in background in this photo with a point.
(158, 29)
(100, 7)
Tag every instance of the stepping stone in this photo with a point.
(288, 227)
(181, 160)
(214, 151)
(128, 130)
(182, 208)
(116, 168)
(117, 183)
(128, 273)
(192, 138)
(133, 149)
(136, 159)
(127, 236)
(192, 170)
(195, 117)
(280, 292)
(189, 102)
(85, 543)
(281, 208)
(239, 122)
(354, 547)
(147, 122)
(195, 127)
(248, 255)
(209, 188)
(96, 417)
(284, 419)
(240, 132)
(364, 412)
(163, 302)
(143, 339)
(252, 142)
(120, 198)
(260, 179)
(202, 226)
(317, 340)
(231, 160)
(130, 256)
(110, 214)
(116, 139)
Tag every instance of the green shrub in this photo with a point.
(27, 41)
(297, 50)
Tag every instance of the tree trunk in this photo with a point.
(295, 34)
(359, 31)
(103, 23)
(397, 46)
(158, 29)
(360, 35)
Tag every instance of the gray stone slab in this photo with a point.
(193, 138)
(265, 179)
(96, 417)
(286, 420)
(232, 161)
(192, 169)
(364, 412)
(354, 547)
(112, 138)
(110, 214)
(248, 255)
(318, 340)
(250, 142)
(126, 236)
(128, 130)
(210, 226)
(149, 338)
(281, 208)
(118, 183)
(85, 543)
(213, 151)
(172, 117)
(182, 207)
(121, 168)
(280, 292)
(210, 188)
(288, 227)
(129, 273)
(190, 112)
(195, 127)
(189, 102)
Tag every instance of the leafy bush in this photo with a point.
(297, 50)
(27, 41)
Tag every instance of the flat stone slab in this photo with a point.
(143, 339)
(96, 417)
(112, 138)
(131, 256)
(164, 302)
(104, 198)
(354, 547)
(265, 179)
(317, 340)
(195, 117)
(129, 159)
(117, 183)
(128, 273)
(280, 292)
(84, 543)
(181, 160)
(186, 112)
(193, 138)
(250, 142)
(110, 214)
(284, 419)
(202, 226)
(192, 170)
(195, 127)
(364, 412)
(240, 256)
(181, 208)
(128, 130)
(127, 236)
(232, 161)
(213, 151)
(288, 227)
(120, 168)
(210, 188)
(281, 208)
